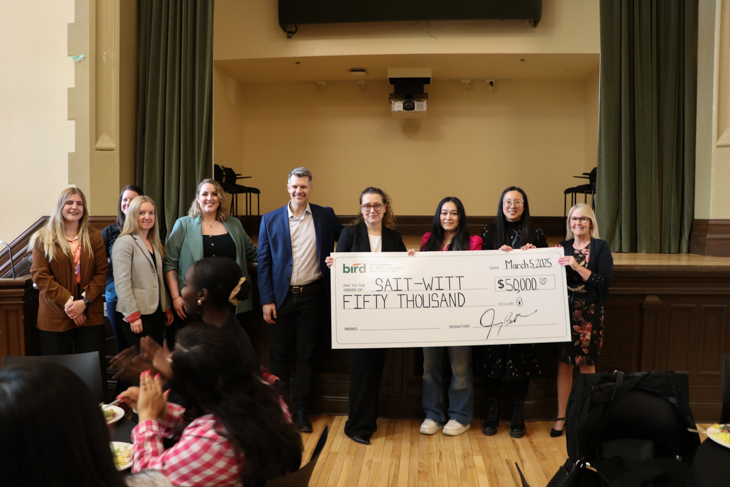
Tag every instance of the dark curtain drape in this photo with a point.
(646, 144)
(174, 134)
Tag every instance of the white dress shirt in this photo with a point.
(305, 258)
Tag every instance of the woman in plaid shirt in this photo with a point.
(234, 430)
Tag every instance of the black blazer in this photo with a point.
(601, 266)
(355, 239)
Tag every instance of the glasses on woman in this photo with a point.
(515, 203)
(377, 207)
(576, 219)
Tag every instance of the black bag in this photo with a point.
(629, 429)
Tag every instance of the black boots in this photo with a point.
(492, 420)
(517, 428)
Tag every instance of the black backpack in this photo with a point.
(628, 430)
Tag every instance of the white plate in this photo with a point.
(120, 446)
(118, 413)
(714, 434)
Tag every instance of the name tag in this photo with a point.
(489, 297)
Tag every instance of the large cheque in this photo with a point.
(383, 300)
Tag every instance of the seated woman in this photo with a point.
(53, 432)
(240, 432)
(448, 232)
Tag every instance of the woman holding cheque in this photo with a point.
(372, 232)
(589, 270)
(448, 232)
(518, 364)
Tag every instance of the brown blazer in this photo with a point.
(57, 282)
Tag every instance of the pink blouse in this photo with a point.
(475, 241)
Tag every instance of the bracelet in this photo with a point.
(178, 296)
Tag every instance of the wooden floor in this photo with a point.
(400, 456)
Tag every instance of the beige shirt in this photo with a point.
(305, 259)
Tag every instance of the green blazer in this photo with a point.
(185, 247)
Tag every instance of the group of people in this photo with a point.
(589, 268)
(201, 275)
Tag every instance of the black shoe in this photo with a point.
(557, 433)
(491, 423)
(302, 421)
(517, 428)
(363, 440)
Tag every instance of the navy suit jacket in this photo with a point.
(275, 258)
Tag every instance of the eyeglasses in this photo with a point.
(516, 203)
(576, 219)
(377, 207)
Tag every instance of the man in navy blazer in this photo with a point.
(294, 284)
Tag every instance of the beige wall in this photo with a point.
(472, 144)
(35, 133)
(250, 29)
(720, 200)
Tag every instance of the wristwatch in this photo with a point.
(86, 301)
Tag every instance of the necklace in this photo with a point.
(209, 224)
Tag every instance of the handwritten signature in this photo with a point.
(488, 321)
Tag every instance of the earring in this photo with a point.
(200, 303)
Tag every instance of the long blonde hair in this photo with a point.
(131, 224)
(222, 212)
(54, 231)
(588, 212)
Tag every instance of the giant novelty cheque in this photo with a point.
(489, 297)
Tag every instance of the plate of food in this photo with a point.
(112, 414)
(122, 454)
(720, 433)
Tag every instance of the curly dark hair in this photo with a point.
(209, 373)
(389, 217)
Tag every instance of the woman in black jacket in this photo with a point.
(372, 232)
(589, 270)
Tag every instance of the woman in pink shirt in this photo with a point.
(233, 429)
(448, 232)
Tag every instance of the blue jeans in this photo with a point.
(461, 390)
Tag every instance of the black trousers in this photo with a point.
(295, 335)
(80, 339)
(367, 374)
(152, 325)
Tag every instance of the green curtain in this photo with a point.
(174, 129)
(646, 143)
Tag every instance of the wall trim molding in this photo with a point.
(710, 237)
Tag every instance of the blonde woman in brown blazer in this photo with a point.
(143, 307)
(69, 268)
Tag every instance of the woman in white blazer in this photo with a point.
(137, 260)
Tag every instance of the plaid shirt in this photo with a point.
(202, 457)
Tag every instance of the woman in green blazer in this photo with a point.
(207, 231)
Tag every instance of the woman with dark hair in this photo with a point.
(69, 267)
(517, 364)
(53, 432)
(109, 236)
(241, 432)
(207, 231)
(372, 231)
(448, 232)
(213, 287)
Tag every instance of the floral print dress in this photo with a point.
(586, 320)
